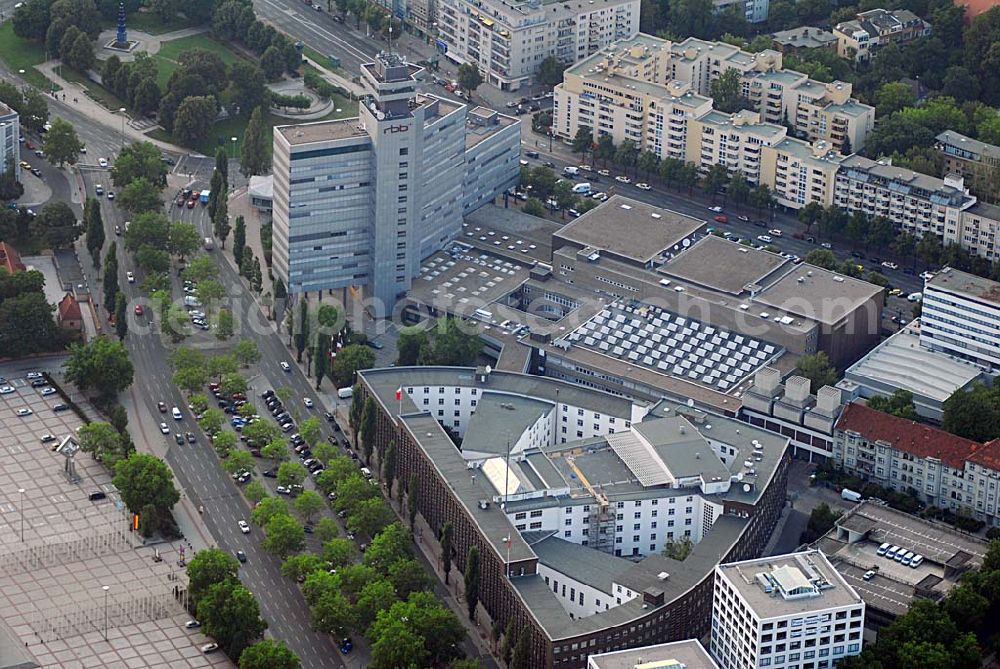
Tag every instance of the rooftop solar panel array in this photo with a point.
(675, 345)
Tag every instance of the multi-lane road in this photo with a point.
(196, 465)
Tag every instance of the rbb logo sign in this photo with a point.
(393, 129)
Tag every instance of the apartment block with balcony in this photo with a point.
(977, 161)
(961, 317)
(798, 172)
(859, 38)
(733, 140)
(508, 40)
(914, 202)
(10, 147)
(977, 230)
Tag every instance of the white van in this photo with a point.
(883, 549)
(916, 561)
(582, 188)
(571, 171)
(191, 301)
(367, 473)
(891, 553)
(345, 393)
(908, 558)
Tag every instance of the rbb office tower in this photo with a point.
(361, 201)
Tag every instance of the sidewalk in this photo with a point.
(97, 112)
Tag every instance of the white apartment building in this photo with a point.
(977, 230)
(360, 202)
(913, 201)
(799, 172)
(650, 90)
(507, 40)
(784, 612)
(10, 147)
(735, 140)
(961, 317)
(943, 470)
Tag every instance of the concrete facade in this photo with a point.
(360, 202)
(10, 146)
(507, 40)
(977, 161)
(961, 317)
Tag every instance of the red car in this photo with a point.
(29, 146)
(722, 218)
(138, 310)
(191, 203)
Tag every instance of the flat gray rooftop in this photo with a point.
(969, 285)
(900, 362)
(630, 229)
(793, 572)
(499, 418)
(321, 131)
(817, 294)
(585, 564)
(689, 653)
(465, 281)
(703, 264)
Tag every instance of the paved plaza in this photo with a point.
(59, 549)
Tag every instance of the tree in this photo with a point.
(121, 317)
(183, 239)
(355, 413)
(310, 430)
(224, 325)
(139, 197)
(308, 504)
(822, 258)
(229, 614)
(302, 331)
(139, 160)
(534, 207)
(102, 441)
(254, 157)
(338, 551)
(208, 567)
(349, 361)
(412, 497)
(61, 145)
(291, 473)
(276, 451)
(56, 225)
(374, 597)
(397, 646)
(447, 533)
(110, 281)
(899, 404)
(101, 364)
(810, 214)
(389, 467)
(194, 119)
(246, 352)
(239, 240)
(369, 517)
(893, 96)
(220, 221)
(472, 581)
(32, 19)
(368, 423)
(627, 154)
(973, 413)
(269, 654)
(678, 549)
(223, 443)
(247, 86)
(144, 479)
(327, 529)
(817, 368)
(509, 641)
(284, 536)
(269, 508)
(726, 91)
(95, 229)
(10, 187)
(821, 520)
(469, 78)
(453, 345)
(522, 651)
(550, 73)
(409, 344)
(331, 612)
(715, 180)
(255, 491)
(232, 383)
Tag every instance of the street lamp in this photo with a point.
(122, 112)
(234, 140)
(20, 493)
(106, 588)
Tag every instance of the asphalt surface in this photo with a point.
(196, 465)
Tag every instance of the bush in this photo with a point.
(294, 101)
(993, 533)
(322, 87)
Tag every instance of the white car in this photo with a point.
(622, 179)
(176, 413)
(764, 238)
(643, 186)
(164, 429)
(103, 162)
(31, 376)
(604, 173)
(889, 265)
(48, 390)
(774, 232)
(915, 297)
(211, 647)
(285, 367)
(192, 624)
(244, 527)
(6, 390)
(927, 276)
(24, 412)
(308, 402)
(130, 277)
(586, 168)
(717, 209)
(282, 490)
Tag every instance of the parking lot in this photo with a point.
(59, 549)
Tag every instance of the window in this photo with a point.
(404, 151)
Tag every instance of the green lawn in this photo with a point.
(167, 56)
(22, 54)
